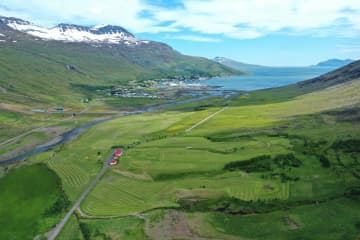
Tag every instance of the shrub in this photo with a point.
(286, 160)
(85, 231)
(256, 164)
(61, 204)
(264, 163)
(324, 161)
(349, 146)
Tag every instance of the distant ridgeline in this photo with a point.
(46, 62)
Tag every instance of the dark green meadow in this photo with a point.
(31, 201)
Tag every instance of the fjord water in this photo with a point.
(266, 77)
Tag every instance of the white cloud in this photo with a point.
(348, 48)
(125, 13)
(193, 38)
(255, 18)
(241, 19)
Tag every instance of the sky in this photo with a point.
(267, 32)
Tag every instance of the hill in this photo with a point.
(341, 75)
(47, 64)
(334, 63)
(237, 65)
(344, 74)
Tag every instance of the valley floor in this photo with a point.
(283, 170)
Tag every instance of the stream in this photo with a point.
(69, 135)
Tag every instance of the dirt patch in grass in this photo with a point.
(268, 187)
(291, 223)
(14, 107)
(174, 225)
(143, 176)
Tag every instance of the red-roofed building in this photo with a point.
(116, 156)
(118, 153)
(113, 162)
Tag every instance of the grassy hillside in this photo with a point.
(37, 71)
(341, 75)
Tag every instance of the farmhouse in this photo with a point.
(116, 156)
(118, 153)
(113, 162)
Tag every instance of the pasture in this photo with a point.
(27, 194)
(165, 167)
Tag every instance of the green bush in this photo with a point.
(287, 160)
(349, 146)
(325, 162)
(264, 163)
(256, 164)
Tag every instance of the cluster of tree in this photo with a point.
(256, 164)
(325, 162)
(203, 107)
(264, 163)
(85, 230)
(60, 205)
(88, 234)
(348, 146)
(232, 205)
(287, 160)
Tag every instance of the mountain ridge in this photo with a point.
(32, 67)
(334, 62)
(236, 64)
(343, 74)
(110, 34)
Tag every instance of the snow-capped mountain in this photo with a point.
(74, 33)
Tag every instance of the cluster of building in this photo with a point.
(153, 89)
(116, 156)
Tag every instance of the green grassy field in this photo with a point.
(294, 163)
(337, 219)
(71, 231)
(121, 228)
(27, 194)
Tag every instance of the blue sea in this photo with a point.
(266, 77)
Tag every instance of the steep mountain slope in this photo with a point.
(341, 75)
(46, 63)
(75, 33)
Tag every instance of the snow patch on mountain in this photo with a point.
(73, 33)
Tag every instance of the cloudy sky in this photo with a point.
(271, 32)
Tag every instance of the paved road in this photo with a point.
(205, 119)
(54, 232)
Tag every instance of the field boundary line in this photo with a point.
(205, 119)
(54, 232)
